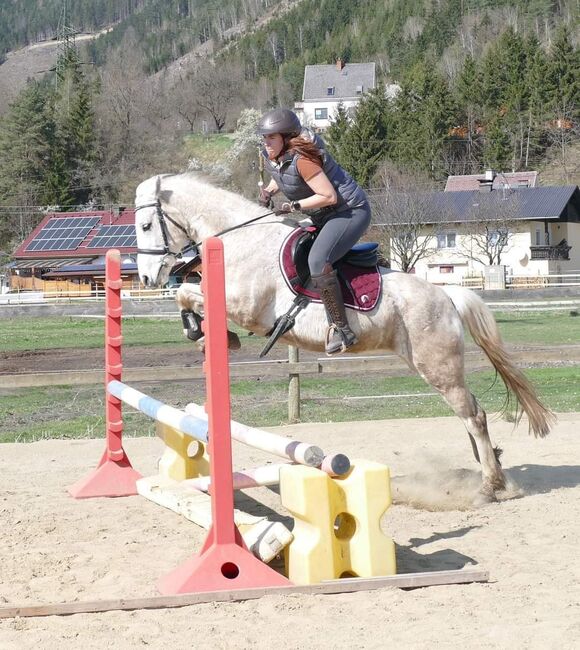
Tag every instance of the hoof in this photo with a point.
(233, 341)
(483, 498)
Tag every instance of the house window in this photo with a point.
(446, 240)
(321, 113)
(359, 90)
(446, 269)
(498, 237)
(538, 237)
(330, 91)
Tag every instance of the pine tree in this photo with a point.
(497, 150)
(339, 126)
(25, 142)
(25, 154)
(469, 93)
(563, 76)
(535, 81)
(76, 134)
(365, 143)
(425, 114)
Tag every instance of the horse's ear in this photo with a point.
(158, 186)
(165, 195)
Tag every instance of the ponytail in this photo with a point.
(305, 148)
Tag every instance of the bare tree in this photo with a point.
(216, 87)
(403, 216)
(491, 227)
(563, 136)
(182, 98)
(124, 100)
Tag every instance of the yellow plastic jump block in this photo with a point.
(176, 462)
(337, 529)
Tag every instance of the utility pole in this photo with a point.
(66, 52)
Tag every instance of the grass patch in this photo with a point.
(208, 149)
(19, 334)
(72, 412)
(331, 400)
(537, 327)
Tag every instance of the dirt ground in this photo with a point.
(159, 356)
(57, 549)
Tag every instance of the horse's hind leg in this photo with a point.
(474, 418)
(446, 376)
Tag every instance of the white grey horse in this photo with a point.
(422, 323)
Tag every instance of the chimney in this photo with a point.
(339, 64)
(486, 183)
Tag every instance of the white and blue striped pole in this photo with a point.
(192, 426)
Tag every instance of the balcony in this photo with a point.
(559, 252)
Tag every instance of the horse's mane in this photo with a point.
(194, 184)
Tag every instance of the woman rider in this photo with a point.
(315, 184)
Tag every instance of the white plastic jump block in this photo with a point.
(265, 539)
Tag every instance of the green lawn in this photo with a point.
(73, 412)
(539, 327)
(32, 414)
(208, 149)
(71, 332)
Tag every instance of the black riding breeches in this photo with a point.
(337, 236)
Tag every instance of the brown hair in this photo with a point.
(304, 147)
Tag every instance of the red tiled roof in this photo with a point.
(471, 181)
(106, 218)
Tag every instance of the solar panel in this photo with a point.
(114, 236)
(63, 234)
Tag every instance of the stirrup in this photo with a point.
(345, 342)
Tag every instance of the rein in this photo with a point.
(164, 217)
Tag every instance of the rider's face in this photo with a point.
(273, 143)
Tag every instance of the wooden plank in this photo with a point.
(278, 368)
(266, 539)
(348, 585)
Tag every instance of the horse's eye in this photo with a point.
(146, 226)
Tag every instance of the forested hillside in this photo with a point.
(483, 83)
(166, 29)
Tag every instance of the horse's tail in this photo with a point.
(478, 318)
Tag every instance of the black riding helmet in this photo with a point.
(280, 120)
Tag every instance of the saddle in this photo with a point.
(357, 271)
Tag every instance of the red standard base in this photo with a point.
(112, 478)
(221, 567)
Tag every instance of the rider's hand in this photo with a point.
(265, 198)
(285, 208)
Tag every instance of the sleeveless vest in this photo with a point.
(288, 179)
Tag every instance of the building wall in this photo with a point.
(571, 233)
(450, 265)
(308, 116)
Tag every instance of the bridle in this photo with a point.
(163, 219)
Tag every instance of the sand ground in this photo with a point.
(55, 549)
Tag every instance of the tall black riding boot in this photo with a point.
(340, 336)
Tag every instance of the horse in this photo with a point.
(420, 322)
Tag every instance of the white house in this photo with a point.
(541, 227)
(326, 86)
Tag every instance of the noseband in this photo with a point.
(163, 219)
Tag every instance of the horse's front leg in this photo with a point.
(189, 299)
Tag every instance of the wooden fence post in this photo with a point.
(293, 387)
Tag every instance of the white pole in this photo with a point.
(247, 478)
(299, 452)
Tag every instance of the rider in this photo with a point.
(315, 184)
